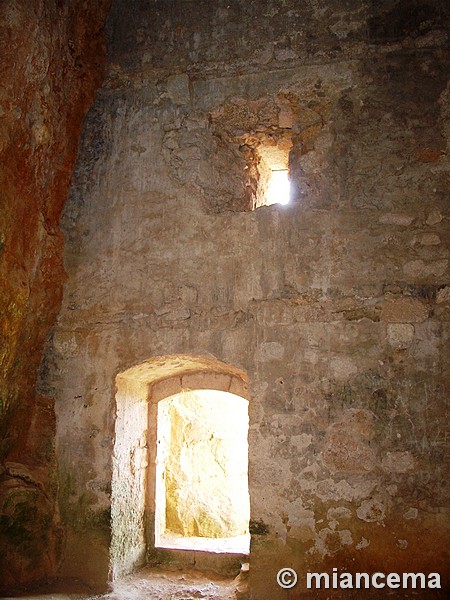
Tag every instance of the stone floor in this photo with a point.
(172, 584)
(148, 584)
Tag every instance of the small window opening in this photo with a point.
(268, 170)
(202, 499)
(278, 190)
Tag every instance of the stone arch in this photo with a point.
(138, 391)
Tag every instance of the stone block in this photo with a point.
(404, 310)
(396, 219)
(419, 268)
(434, 217)
(443, 295)
(429, 239)
(164, 389)
(285, 119)
(178, 89)
(400, 335)
(238, 387)
(205, 381)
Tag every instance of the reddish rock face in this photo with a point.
(51, 57)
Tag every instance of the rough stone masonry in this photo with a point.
(334, 306)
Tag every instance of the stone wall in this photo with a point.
(51, 55)
(334, 305)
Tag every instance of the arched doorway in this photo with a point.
(164, 399)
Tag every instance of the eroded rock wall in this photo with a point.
(51, 58)
(335, 305)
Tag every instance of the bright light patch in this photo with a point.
(202, 500)
(279, 188)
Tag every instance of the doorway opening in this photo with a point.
(202, 500)
(192, 493)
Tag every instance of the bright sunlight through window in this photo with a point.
(279, 188)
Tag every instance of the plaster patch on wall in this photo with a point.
(330, 490)
(411, 514)
(363, 543)
(371, 511)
